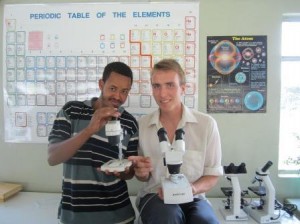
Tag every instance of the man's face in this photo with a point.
(115, 90)
(167, 90)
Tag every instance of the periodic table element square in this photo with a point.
(61, 74)
(50, 62)
(156, 48)
(190, 22)
(20, 50)
(41, 117)
(135, 35)
(50, 74)
(41, 130)
(11, 87)
(40, 75)
(135, 48)
(179, 35)
(145, 87)
(30, 87)
(71, 74)
(190, 48)
(11, 49)
(168, 48)
(60, 99)
(40, 100)
(40, 88)
(146, 35)
(189, 101)
(112, 59)
(71, 62)
(136, 74)
(10, 62)
(30, 62)
(21, 75)
(21, 37)
(135, 88)
(145, 101)
(189, 62)
(81, 62)
(190, 35)
(190, 88)
(51, 87)
(20, 62)
(71, 87)
(11, 100)
(92, 88)
(91, 61)
(178, 48)
(21, 100)
(21, 87)
(31, 100)
(92, 74)
(71, 97)
(124, 59)
(146, 61)
(60, 62)
(61, 87)
(102, 61)
(10, 37)
(35, 40)
(10, 74)
(81, 74)
(156, 35)
(81, 88)
(146, 48)
(135, 61)
(30, 74)
(145, 74)
(168, 35)
(40, 62)
(51, 99)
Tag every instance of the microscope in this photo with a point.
(114, 133)
(233, 209)
(263, 210)
(176, 187)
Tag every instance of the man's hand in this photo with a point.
(142, 167)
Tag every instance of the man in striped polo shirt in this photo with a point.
(78, 140)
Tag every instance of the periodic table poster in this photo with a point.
(55, 53)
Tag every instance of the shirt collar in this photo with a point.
(187, 117)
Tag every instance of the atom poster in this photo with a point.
(236, 74)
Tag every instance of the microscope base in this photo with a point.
(261, 216)
(116, 165)
(229, 216)
(177, 193)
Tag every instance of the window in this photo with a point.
(289, 138)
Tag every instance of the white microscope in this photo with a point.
(176, 187)
(233, 209)
(263, 211)
(114, 133)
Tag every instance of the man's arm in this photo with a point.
(204, 184)
(142, 167)
(63, 151)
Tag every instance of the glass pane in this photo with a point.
(289, 144)
(290, 39)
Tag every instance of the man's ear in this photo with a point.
(101, 84)
(183, 88)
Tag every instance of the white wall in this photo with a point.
(249, 138)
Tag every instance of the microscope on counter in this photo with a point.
(176, 187)
(263, 209)
(114, 133)
(233, 209)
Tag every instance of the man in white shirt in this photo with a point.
(201, 161)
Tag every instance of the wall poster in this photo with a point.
(54, 53)
(236, 74)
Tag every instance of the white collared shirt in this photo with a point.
(202, 147)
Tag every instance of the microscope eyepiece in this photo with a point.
(179, 134)
(162, 135)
